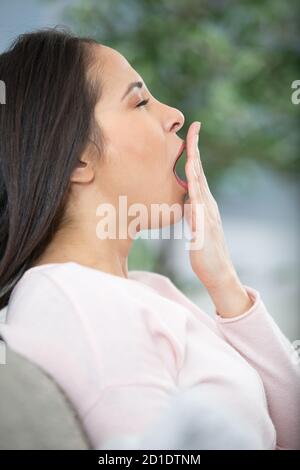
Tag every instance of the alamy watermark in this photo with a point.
(2, 353)
(2, 343)
(295, 97)
(135, 218)
(2, 92)
(295, 355)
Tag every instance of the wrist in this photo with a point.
(230, 298)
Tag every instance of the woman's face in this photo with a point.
(141, 142)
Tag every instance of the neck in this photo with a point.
(83, 247)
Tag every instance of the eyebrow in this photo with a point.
(130, 87)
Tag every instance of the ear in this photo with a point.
(84, 171)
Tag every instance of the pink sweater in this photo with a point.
(121, 348)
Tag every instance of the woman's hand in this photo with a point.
(209, 255)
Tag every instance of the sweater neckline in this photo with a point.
(113, 276)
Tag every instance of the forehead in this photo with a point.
(116, 72)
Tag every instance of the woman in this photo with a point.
(79, 129)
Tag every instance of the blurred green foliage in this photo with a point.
(229, 64)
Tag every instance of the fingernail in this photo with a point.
(198, 127)
(197, 132)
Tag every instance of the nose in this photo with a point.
(176, 120)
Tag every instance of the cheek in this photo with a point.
(138, 158)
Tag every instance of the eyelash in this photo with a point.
(142, 103)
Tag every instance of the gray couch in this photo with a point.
(34, 411)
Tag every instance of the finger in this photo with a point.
(188, 215)
(198, 162)
(192, 132)
(193, 162)
(194, 188)
(208, 197)
(196, 200)
(193, 153)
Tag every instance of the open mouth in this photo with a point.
(178, 169)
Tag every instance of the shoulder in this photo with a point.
(73, 282)
(67, 280)
(74, 293)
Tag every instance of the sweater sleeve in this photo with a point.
(257, 337)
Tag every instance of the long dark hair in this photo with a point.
(45, 125)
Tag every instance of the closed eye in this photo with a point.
(142, 103)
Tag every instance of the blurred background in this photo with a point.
(230, 65)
